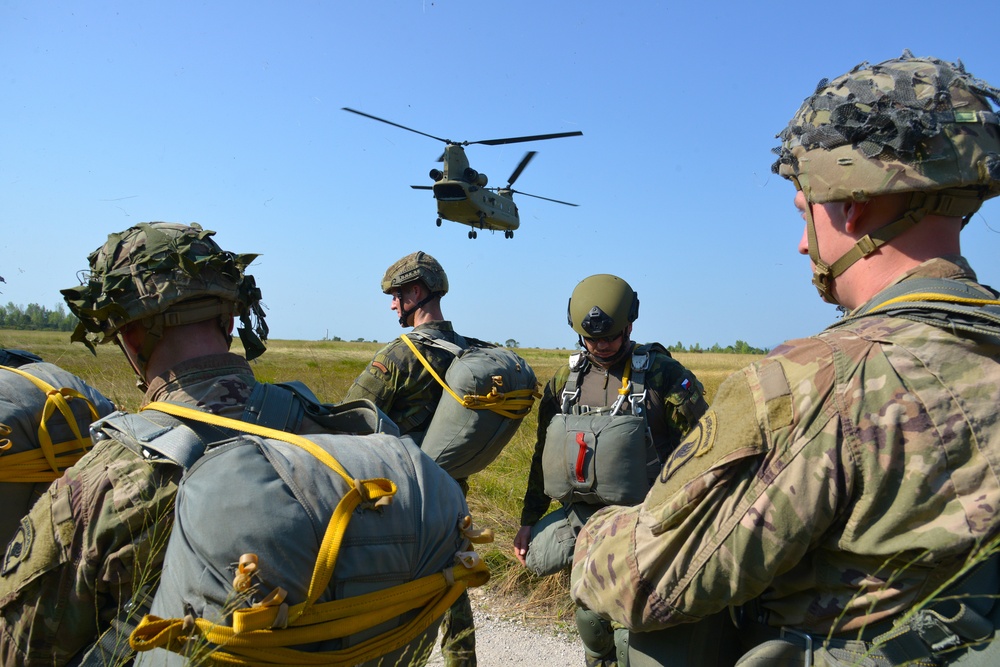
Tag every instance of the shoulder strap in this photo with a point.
(153, 432)
(433, 338)
(941, 302)
(571, 390)
(274, 406)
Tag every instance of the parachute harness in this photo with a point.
(512, 404)
(261, 635)
(48, 462)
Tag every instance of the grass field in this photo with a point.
(328, 368)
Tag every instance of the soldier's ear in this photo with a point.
(853, 212)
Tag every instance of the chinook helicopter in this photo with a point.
(461, 192)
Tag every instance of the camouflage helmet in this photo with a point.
(903, 125)
(164, 274)
(416, 266)
(602, 305)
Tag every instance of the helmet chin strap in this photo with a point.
(950, 203)
(404, 314)
(607, 362)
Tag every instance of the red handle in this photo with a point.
(580, 458)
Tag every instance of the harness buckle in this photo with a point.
(806, 637)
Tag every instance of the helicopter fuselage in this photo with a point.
(462, 196)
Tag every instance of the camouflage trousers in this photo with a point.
(458, 634)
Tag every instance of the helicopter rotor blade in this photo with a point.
(516, 140)
(389, 122)
(520, 167)
(557, 201)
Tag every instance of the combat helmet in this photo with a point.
(907, 125)
(602, 305)
(164, 274)
(416, 266)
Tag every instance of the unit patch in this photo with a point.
(19, 547)
(379, 365)
(698, 442)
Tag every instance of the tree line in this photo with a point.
(36, 317)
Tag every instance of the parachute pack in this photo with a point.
(336, 549)
(599, 455)
(45, 415)
(488, 390)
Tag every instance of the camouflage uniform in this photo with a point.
(22, 405)
(398, 383)
(838, 482)
(99, 532)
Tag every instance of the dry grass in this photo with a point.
(328, 368)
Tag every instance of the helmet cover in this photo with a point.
(165, 274)
(903, 125)
(416, 266)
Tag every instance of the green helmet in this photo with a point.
(163, 274)
(904, 125)
(602, 305)
(416, 266)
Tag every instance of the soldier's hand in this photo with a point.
(521, 543)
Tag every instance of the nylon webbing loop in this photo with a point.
(512, 404)
(252, 640)
(46, 463)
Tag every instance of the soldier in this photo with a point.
(637, 399)
(92, 547)
(45, 416)
(841, 488)
(405, 390)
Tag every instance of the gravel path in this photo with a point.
(506, 642)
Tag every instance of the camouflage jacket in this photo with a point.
(398, 383)
(675, 400)
(837, 481)
(100, 530)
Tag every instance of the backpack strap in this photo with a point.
(511, 404)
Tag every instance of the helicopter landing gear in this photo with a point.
(438, 222)
(508, 234)
(472, 234)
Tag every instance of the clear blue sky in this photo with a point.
(229, 114)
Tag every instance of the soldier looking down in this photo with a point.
(636, 401)
(838, 489)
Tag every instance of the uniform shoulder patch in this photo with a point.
(19, 546)
(698, 443)
(379, 365)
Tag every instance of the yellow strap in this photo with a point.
(31, 467)
(934, 296)
(512, 404)
(433, 594)
(369, 490)
(626, 376)
(252, 641)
